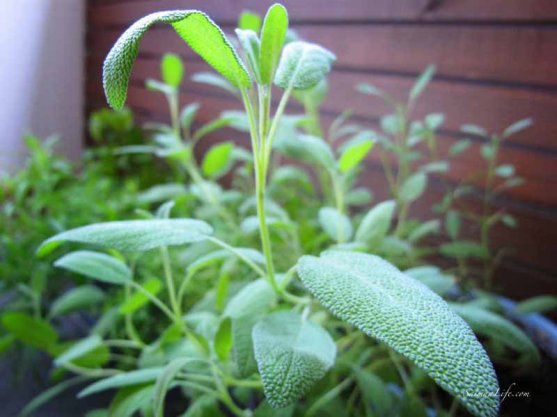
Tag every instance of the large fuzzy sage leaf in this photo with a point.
(371, 294)
(195, 28)
(302, 65)
(273, 34)
(133, 235)
(292, 354)
(96, 265)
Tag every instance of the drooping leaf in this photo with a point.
(249, 20)
(539, 304)
(217, 159)
(494, 326)
(421, 83)
(273, 34)
(139, 299)
(76, 299)
(302, 65)
(133, 235)
(140, 376)
(335, 224)
(376, 297)
(353, 155)
(413, 187)
(96, 265)
(78, 350)
(375, 224)
(32, 331)
(172, 70)
(195, 28)
(292, 354)
(244, 310)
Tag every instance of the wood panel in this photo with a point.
(496, 62)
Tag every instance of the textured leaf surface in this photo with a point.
(492, 325)
(273, 34)
(376, 297)
(195, 28)
(302, 65)
(96, 265)
(292, 354)
(133, 235)
(375, 224)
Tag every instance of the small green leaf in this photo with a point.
(217, 160)
(421, 82)
(249, 20)
(188, 114)
(76, 299)
(313, 96)
(273, 34)
(539, 304)
(292, 354)
(172, 70)
(375, 224)
(79, 349)
(384, 303)
(251, 46)
(32, 331)
(459, 147)
(505, 171)
(310, 149)
(434, 120)
(413, 187)
(302, 65)
(463, 249)
(494, 326)
(214, 80)
(140, 376)
(154, 85)
(375, 392)
(195, 28)
(423, 230)
(509, 220)
(132, 235)
(129, 400)
(452, 223)
(517, 127)
(335, 224)
(139, 299)
(433, 278)
(96, 265)
(473, 130)
(353, 155)
(223, 339)
(487, 151)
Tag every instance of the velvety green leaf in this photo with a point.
(539, 304)
(158, 86)
(273, 34)
(313, 96)
(452, 223)
(161, 192)
(359, 196)
(251, 46)
(129, 400)
(473, 130)
(494, 326)
(245, 309)
(353, 155)
(425, 229)
(79, 349)
(505, 170)
(509, 220)
(195, 28)
(188, 114)
(140, 376)
(487, 151)
(32, 331)
(463, 249)
(421, 83)
(214, 80)
(460, 147)
(384, 303)
(218, 255)
(133, 235)
(249, 20)
(413, 187)
(375, 224)
(223, 339)
(335, 224)
(302, 65)
(217, 159)
(172, 70)
(139, 299)
(292, 354)
(433, 278)
(96, 265)
(79, 298)
(310, 149)
(517, 127)
(212, 126)
(434, 120)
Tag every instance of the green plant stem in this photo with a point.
(155, 300)
(233, 250)
(170, 287)
(128, 322)
(173, 106)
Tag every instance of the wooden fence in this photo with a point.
(496, 60)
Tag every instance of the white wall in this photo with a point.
(41, 75)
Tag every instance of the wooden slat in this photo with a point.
(111, 12)
(494, 108)
(524, 55)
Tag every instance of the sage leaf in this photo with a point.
(353, 155)
(32, 331)
(140, 376)
(335, 224)
(133, 235)
(139, 299)
(310, 149)
(195, 28)
(79, 298)
(251, 46)
(249, 20)
(452, 223)
(371, 294)
(292, 354)
(223, 339)
(96, 265)
(375, 224)
(129, 400)
(302, 65)
(214, 80)
(540, 304)
(422, 82)
(517, 127)
(217, 160)
(273, 34)
(188, 115)
(413, 187)
(172, 70)
(423, 230)
(79, 349)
